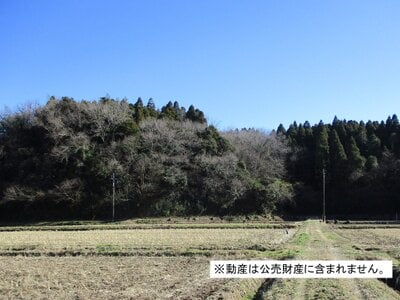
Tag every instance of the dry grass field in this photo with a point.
(106, 278)
(316, 240)
(374, 241)
(150, 260)
(141, 240)
(157, 261)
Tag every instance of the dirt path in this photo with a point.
(317, 241)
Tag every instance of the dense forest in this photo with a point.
(361, 161)
(57, 162)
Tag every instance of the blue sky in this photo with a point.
(244, 63)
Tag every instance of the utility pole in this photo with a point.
(323, 196)
(113, 196)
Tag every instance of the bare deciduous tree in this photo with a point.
(263, 154)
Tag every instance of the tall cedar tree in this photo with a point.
(356, 161)
(374, 145)
(338, 156)
(321, 150)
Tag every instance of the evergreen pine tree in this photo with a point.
(151, 108)
(337, 154)
(335, 121)
(374, 145)
(362, 140)
(169, 111)
(139, 113)
(395, 122)
(292, 134)
(281, 130)
(338, 157)
(321, 150)
(309, 140)
(372, 163)
(151, 104)
(356, 160)
(191, 113)
(195, 115)
(301, 134)
(383, 131)
(389, 123)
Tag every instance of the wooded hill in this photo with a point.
(361, 162)
(57, 161)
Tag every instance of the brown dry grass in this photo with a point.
(128, 277)
(323, 243)
(378, 242)
(149, 239)
(106, 278)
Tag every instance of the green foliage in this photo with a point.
(139, 111)
(301, 239)
(56, 162)
(213, 142)
(195, 115)
(372, 163)
(281, 130)
(338, 155)
(279, 194)
(322, 149)
(128, 128)
(356, 161)
(355, 185)
(374, 144)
